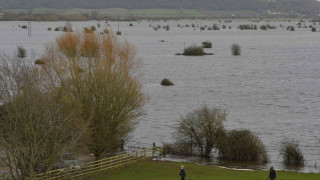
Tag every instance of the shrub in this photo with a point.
(49, 29)
(194, 51)
(263, 27)
(93, 28)
(118, 33)
(215, 27)
(224, 26)
(271, 27)
(21, 52)
(130, 24)
(202, 28)
(313, 29)
(242, 145)
(24, 27)
(291, 153)
(247, 27)
(290, 28)
(167, 27)
(207, 44)
(98, 25)
(67, 27)
(57, 29)
(236, 50)
(200, 130)
(166, 82)
(255, 27)
(87, 30)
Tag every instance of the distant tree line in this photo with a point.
(299, 6)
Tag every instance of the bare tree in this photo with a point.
(35, 127)
(201, 129)
(98, 72)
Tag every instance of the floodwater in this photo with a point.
(272, 89)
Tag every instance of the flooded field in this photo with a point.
(272, 89)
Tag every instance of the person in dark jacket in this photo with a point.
(182, 173)
(272, 174)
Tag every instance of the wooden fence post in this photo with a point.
(153, 148)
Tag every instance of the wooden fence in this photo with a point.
(100, 165)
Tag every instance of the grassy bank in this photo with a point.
(160, 170)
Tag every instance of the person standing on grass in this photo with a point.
(182, 173)
(272, 174)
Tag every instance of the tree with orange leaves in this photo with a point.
(98, 72)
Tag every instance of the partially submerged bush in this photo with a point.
(263, 27)
(247, 27)
(167, 27)
(207, 44)
(290, 28)
(93, 28)
(291, 153)
(236, 50)
(21, 52)
(242, 145)
(215, 27)
(194, 50)
(166, 82)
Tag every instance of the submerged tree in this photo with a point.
(201, 129)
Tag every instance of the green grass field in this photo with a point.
(163, 170)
